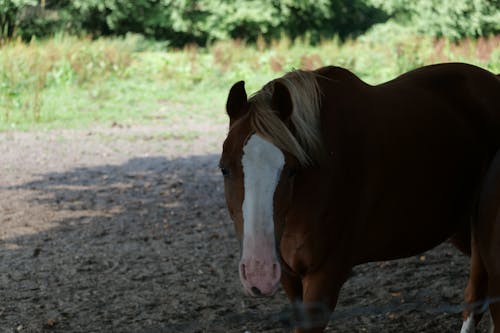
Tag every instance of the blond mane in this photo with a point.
(302, 137)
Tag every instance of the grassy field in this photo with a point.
(70, 82)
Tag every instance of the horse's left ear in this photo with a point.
(282, 101)
(236, 103)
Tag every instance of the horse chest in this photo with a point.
(302, 251)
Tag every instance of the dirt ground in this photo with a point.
(123, 229)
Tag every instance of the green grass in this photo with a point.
(68, 82)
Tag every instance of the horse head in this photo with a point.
(260, 160)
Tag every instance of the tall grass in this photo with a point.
(28, 72)
(67, 81)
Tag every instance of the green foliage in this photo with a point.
(193, 21)
(182, 22)
(453, 19)
(10, 12)
(201, 21)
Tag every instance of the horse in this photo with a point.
(323, 172)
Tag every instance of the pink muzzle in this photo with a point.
(260, 277)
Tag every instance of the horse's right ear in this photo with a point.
(237, 102)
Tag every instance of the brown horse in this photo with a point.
(323, 172)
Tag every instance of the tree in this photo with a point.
(10, 11)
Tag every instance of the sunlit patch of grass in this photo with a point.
(31, 72)
(72, 82)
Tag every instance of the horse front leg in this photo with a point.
(320, 294)
(292, 284)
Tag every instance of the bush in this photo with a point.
(452, 19)
(183, 22)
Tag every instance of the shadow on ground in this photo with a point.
(147, 246)
(143, 244)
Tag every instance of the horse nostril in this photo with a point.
(275, 270)
(256, 291)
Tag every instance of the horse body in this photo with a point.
(402, 168)
(406, 163)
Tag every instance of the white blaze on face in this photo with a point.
(262, 164)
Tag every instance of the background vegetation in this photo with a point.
(76, 62)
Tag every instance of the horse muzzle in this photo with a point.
(260, 278)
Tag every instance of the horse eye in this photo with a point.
(224, 171)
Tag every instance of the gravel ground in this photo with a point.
(124, 229)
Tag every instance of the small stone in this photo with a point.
(50, 323)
